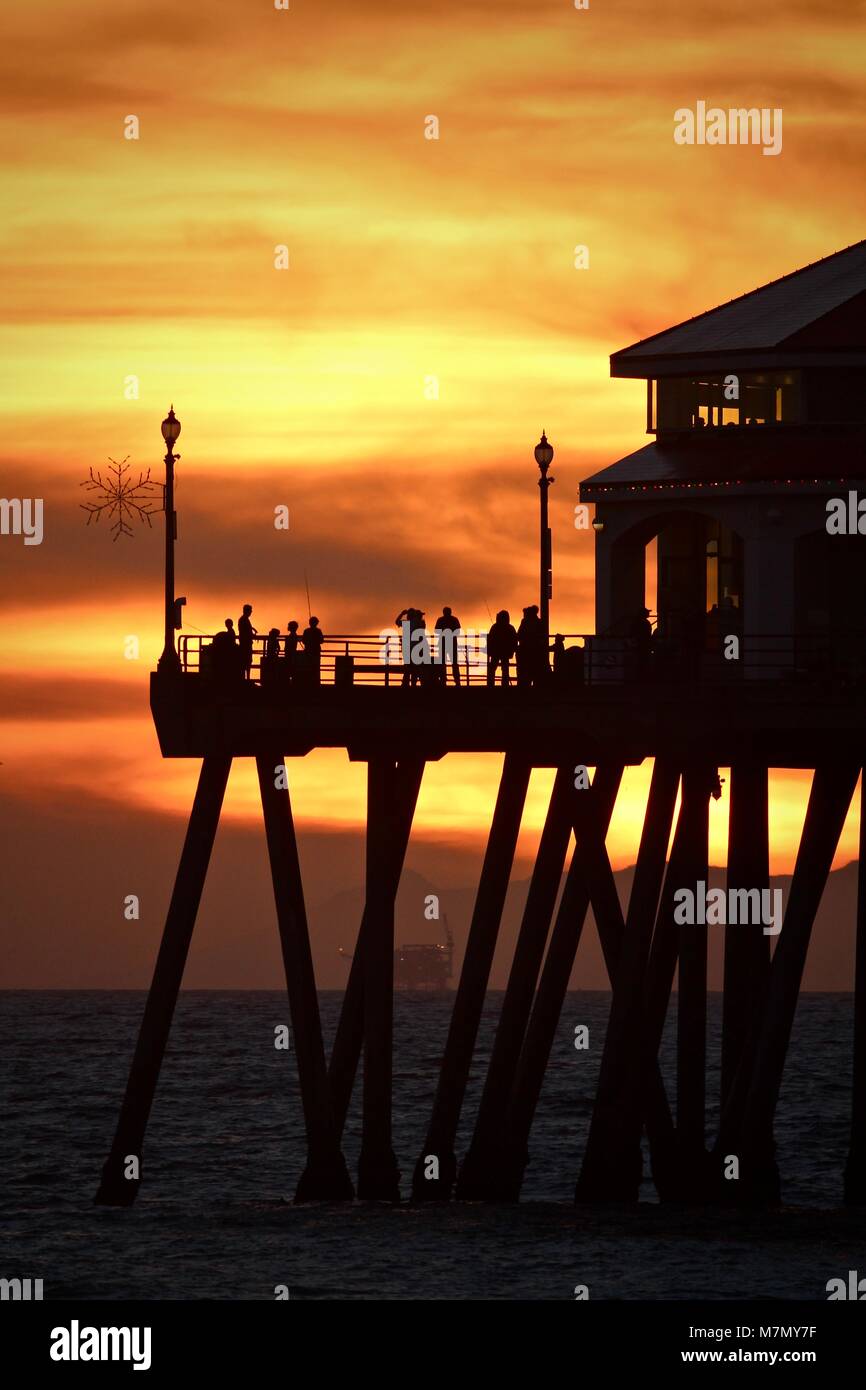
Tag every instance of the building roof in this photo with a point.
(705, 458)
(810, 307)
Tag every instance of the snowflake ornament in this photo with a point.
(123, 500)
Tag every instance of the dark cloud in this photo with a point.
(368, 545)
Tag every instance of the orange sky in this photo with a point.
(409, 258)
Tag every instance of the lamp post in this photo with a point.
(544, 458)
(169, 662)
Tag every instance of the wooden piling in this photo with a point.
(349, 1037)
(611, 1172)
(832, 789)
(325, 1176)
(855, 1168)
(482, 1173)
(638, 1073)
(692, 1165)
(378, 1174)
(747, 949)
(116, 1188)
(594, 808)
(472, 986)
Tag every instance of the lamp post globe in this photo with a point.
(544, 453)
(170, 428)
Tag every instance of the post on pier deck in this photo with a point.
(325, 1176)
(116, 1189)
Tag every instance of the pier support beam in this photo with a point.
(325, 1177)
(116, 1188)
(482, 1173)
(691, 1151)
(855, 1168)
(349, 1038)
(378, 1174)
(594, 808)
(832, 789)
(747, 949)
(474, 975)
(637, 1074)
(611, 1171)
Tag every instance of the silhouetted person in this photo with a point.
(641, 632)
(532, 662)
(572, 667)
(447, 626)
(291, 658)
(246, 633)
(558, 655)
(312, 639)
(271, 659)
(416, 649)
(501, 646)
(225, 654)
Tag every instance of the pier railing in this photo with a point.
(389, 660)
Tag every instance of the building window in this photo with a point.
(695, 403)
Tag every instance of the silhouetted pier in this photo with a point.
(734, 497)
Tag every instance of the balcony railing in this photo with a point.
(586, 659)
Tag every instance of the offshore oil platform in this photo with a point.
(421, 965)
(757, 416)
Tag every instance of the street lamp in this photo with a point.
(544, 458)
(169, 662)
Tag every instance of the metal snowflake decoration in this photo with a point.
(123, 500)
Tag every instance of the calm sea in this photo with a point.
(214, 1218)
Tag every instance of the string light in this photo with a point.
(706, 483)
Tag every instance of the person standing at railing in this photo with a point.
(246, 633)
(224, 661)
(501, 646)
(416, 648)
(447, 627)
(532, 658)
(270, 661)
(312, 639)
(293, 641)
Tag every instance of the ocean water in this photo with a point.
(214, 1218)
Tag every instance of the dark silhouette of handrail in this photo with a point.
(374, 660)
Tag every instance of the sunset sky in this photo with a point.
(409, 258)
